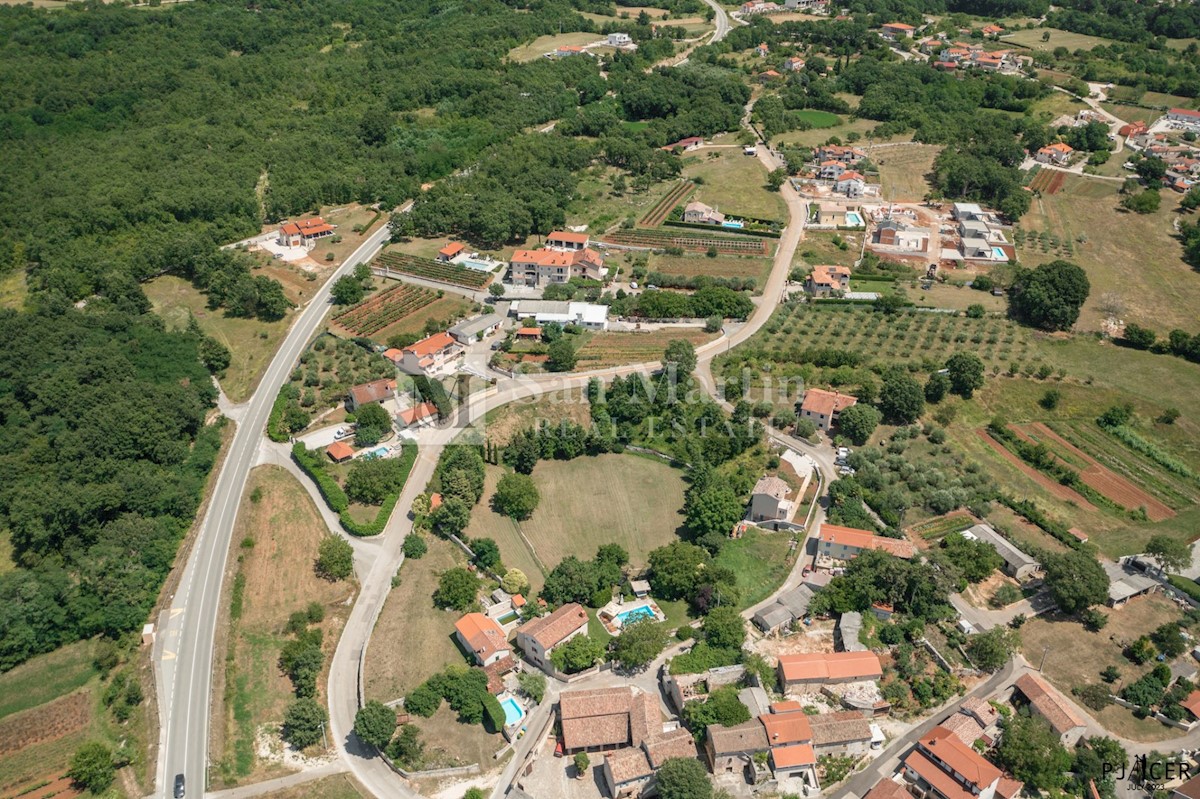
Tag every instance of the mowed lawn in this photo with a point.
(1075, 657)
(46, 677)
(486, 523)
(1135, 256)
(734, 183)
(589, 501)
(412, 638)
(1032, 38)
(902, 170)
(277, 539)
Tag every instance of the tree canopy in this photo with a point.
(1076, 580)
(1050, 296)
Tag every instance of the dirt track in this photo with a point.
(1107, 482)
(1057, 489)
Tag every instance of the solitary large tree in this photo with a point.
(639, 644)
(516, 496)
(901, 399)
(375, 723)
(1171, 554)
(858, 422)
(1076, 581)
(1050, 296)
(683, 778)
(965, 371)
(682, 355)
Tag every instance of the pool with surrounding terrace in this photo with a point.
(616, 615)
(378, 452)
(734, 223)
(999, 254)
(854, 219)
(513, 712)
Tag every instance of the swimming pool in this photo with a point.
(507, 618)
(998, 254)
(733, 223)
(513, 711)
(854, 219)
(482, 266)
(636, 614)
(378, 452)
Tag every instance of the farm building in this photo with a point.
(823, 407)
(788, 608)
(1017, 564)
(470, 331)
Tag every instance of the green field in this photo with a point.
(1162, 292)
(46, 677)
(761, 563)
(734, 183)
(903, 170)
(819, 119)
(589, 501)
(1032, 38)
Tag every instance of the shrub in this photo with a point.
(415, 547)
(335, 558)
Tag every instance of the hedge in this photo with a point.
(765, 234)
(375, 527)
(1185, 585)
(493, 713)
(878, 278)
(1031, 512)
(310, 462)
(275, 430)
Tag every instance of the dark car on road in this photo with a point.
(178, 786)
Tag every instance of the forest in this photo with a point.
(136, 140)
(105, 453)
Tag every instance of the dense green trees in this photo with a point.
(917, 589)
(639, 643)
(104, 453)
(858, 422)
(375, 723)
(370, 481)
(902, 400)
(586, 582)
(992, 649)
(580, 653)
(964, 370)
(1032, 752)
(335, 558)
(1050, 296)
(92, 767)
(304, 723)
(1076, 580)
(516, 496)
(457, 589)
(683, 778)
(975, 559)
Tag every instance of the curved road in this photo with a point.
(183, 651)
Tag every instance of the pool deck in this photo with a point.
(610, 613)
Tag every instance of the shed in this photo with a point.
(339, 451)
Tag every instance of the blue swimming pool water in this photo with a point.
(853, 219)
(378, 452)
(999, 254)
(733, 224)
(482, 266)
(629, 616)
(512, 711)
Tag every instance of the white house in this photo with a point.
(769, 500)
(619, 40)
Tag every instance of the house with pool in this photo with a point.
(538, 638)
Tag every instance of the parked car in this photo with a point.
(179, 786)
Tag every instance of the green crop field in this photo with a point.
(1032, 38)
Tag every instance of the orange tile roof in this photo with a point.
(956, 755)
(787, 706)
(549, 631)
(543, 257)
(418, 413)
(793, 756)
(482, 634)
(340, 450)
(428, 346)
(861, 539)
(887, 789)
(831, 666)
(1184, 112)
(607, 717)
(529, 331)
(393, 354)
(826, 403)
(1057, 147)
(900, 26)
(435, 501)
(452, 249)
(786, 728)
(1049, 703)
(518, 601)
(851, 175)
(827, 276)
(374, 391)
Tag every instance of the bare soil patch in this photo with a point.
(1057, 489)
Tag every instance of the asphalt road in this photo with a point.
(184, 645)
